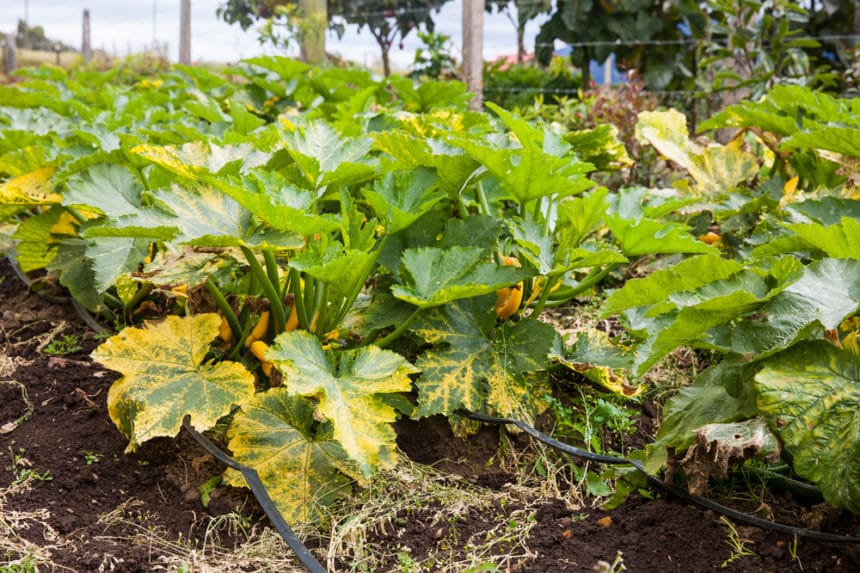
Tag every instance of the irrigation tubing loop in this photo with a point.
(259, 491)
(669, 488)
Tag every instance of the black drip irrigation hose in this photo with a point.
(79, 308)
(669, 488)
(312, 565)
(259, 491)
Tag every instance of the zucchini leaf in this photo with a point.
(434, 276)
(302, 470)
(478, 364)
(165, 377)
(811, 393)
(348, 387)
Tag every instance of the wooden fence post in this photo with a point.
(86, 50)
(473, 48)
(9, 63)
(185, 33)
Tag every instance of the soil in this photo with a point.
(88, 504)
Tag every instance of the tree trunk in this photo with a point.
(313, 34)
(86, 49)
(521, 46)
(386, 63)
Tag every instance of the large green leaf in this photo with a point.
(165, 378)
(689, 274)
(539, 166)
(452, 165)
(399, 198)
(839, 138)
(838, 241)
(37, 240)
(348, 387)
(645, 236)
(114, 256)
(276, 202)
(479, 365)
(824, 295)
(273, 433)
(328, 158)
(328, 261)
(811, 394)
(437, 276)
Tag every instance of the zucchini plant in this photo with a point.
(305, 255)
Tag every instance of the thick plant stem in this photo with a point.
(347, 305)
(276, 305)
(225, 309)
(397, 332)
(272, 268)
(544, 295)
(482, 198)
(298, 298)
(592, 278)
(77, 215)
(141, 293)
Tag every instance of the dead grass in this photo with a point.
(15, 549)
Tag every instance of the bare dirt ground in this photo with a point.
(71, 500)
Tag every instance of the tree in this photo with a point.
(626, 27)
(519, 12)
(389, 21)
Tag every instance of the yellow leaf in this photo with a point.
(164, 378)
(32, 188)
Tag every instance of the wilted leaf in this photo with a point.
(719, 446)
(165, 378)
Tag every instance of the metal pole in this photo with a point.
(473, 47)
(185, 33)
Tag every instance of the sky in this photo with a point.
(121, 27)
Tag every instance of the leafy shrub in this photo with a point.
(516, 86)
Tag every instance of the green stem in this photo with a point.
(141, 293)
(225, 309)
(77, 215)
(308, 300)
(114, 301)
(276, 305)
(356, 290)
(321, 306)
(544, 295)
(592, 278)
(298, 298)
(272, 269)
(482, 198)
(537, 213)
(397, 332)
